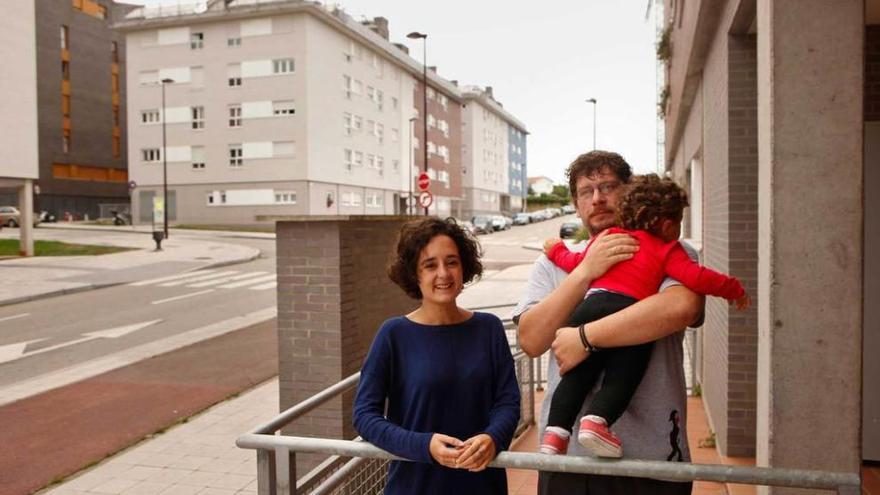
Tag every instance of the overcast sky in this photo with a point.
(543, 61)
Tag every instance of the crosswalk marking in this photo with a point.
(198, 279)
(234, 285)
(171, 277)
(226, 279)
(270, 285)
(177, 298)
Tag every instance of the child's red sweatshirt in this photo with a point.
(641, 276)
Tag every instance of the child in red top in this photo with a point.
(650, 210)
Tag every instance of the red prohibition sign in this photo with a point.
(425, 199)
(424, 181)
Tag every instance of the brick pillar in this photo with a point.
(810, 186)
(332, 296)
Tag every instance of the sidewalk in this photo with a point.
(26, 279)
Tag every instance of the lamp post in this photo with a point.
(409, 201)
(595, 107)
(424, 37)
(164, 162)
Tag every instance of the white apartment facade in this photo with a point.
(293, 110)
(485, 144)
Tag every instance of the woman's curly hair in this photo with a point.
(414, 236)
(649, 199)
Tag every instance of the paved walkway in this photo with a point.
(26, 279)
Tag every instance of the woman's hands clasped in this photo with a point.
(473, 454)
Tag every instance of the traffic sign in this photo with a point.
(425, 199)
(424, 181)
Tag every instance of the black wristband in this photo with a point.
(585, 341)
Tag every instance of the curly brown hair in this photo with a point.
(414, 236)
(649, 199)
(595, 161)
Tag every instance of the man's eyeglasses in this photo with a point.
(604, 189)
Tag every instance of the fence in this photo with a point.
(357, 467)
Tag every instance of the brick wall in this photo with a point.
(332, 296)
(872, 73)
(742, 326)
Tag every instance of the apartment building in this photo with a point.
(518, 171)
(275, 108)
(444, 145)
(78, 64)
(486, 153)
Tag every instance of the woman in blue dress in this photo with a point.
(447, 373)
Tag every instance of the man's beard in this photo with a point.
(596, 228)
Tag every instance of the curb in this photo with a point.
(217, 233)
(90, 287)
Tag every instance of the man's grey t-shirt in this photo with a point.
(655, 420)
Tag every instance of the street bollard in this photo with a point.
(158, 235)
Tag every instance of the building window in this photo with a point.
(348, 120)
(346, 85)
(358, 123)
(235, 116)
(197, 41)
(114, 52)
(65, 33)
(65, 142)
(150, 117)
(234, 81)
(235, 155)
(233, 42)
(393, 103)
(395, 135)
(198, 157)
(358, 159)
(151, 155)
(65, 70)
(198, 117)
(283, 107)
(285, 197)
(351, 199)
(349, 159)
(374, 200)
(282, 66)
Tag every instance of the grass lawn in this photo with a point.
(9, 247)
(229, 228)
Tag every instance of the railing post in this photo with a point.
(540, 381)
(285, 471)
(264, 473)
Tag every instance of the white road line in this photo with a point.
(235, 285)
(226, 279)
(270, 285)
(163, 301)
(198, 279)
(15, 317)
(172, 277)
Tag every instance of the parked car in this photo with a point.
(522, 219)
(469, 227)
(499, 222)
(567, 209)
(11, 217)
(483, 224)
(569, 229)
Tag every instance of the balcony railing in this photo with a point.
(357, 467)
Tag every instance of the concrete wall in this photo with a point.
(19, 118)
(810, 224)
(333, 295)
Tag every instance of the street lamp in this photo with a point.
(164, 162)
(409, 200)
(424, 37)
(595, 107)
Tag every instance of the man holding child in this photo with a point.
(647, 429)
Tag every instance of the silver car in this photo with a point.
(11, 217)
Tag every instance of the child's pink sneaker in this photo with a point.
(555, 441)
(595, 435)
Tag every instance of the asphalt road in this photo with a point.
(67, 330)
(43, 336)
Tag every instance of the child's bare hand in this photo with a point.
(743, 302)
(549, 243)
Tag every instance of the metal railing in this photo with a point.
(357, 467)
